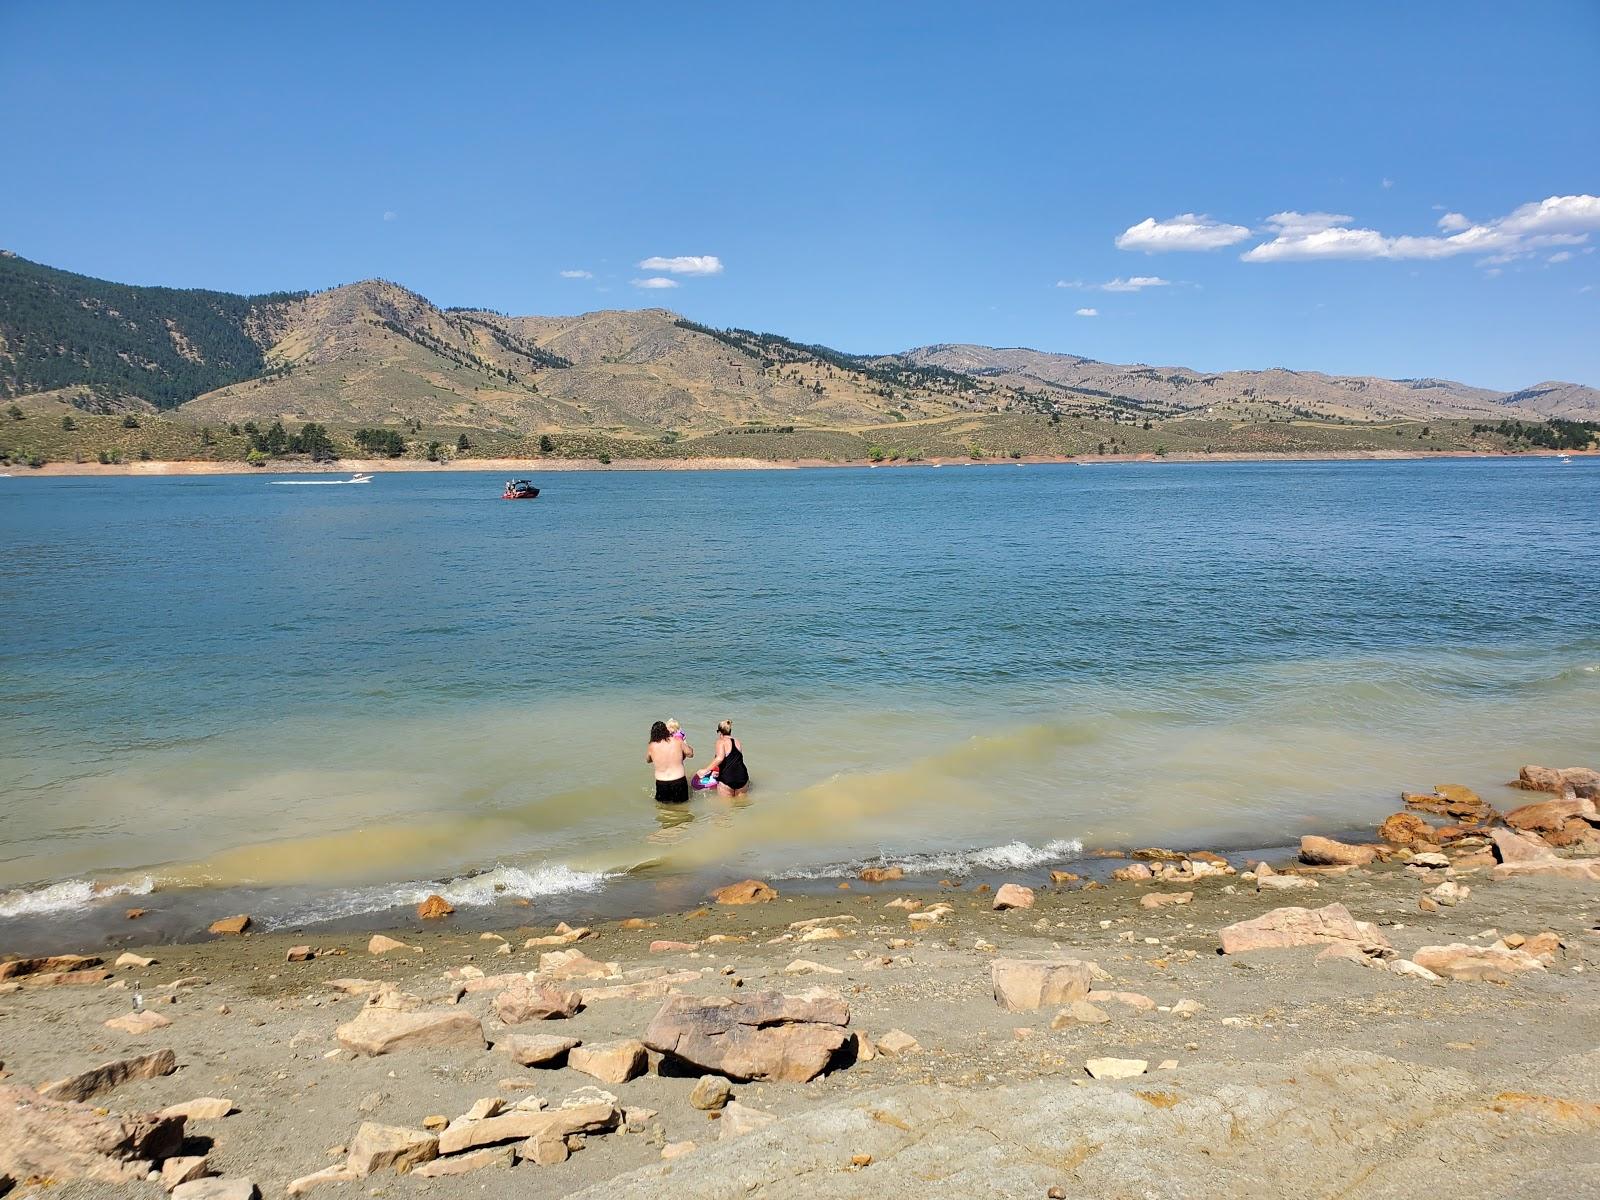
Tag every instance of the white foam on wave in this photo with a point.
(1011, 856)
(67, 895)
(467, 891)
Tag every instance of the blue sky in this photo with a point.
(1392, 189)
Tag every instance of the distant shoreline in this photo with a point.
(348, 466)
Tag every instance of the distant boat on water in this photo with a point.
(356, 478)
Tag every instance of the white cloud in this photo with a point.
(391, 216)
(1560, 256)
(1557, 221)
(577, 274)
(1387, 183)
(1132, 284)
(687, 264)
(1087, 312)
(1187, 231)
(656, 281)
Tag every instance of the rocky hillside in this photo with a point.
(1246, 395)
(374, 353)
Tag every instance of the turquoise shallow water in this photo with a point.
(334, 698)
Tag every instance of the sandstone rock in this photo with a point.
(16, 968)
(1302, 927)
(1022, 985)
(461, 1164)
(217, 1189)
(934, 914)
(676, 1149)
(1132, 873)
(765, 1035)
(1479, 963)
(1550, 816)
(670, 947)
(1116, 1068)
(88, 1084)
(1157, 854)
(740, 1119)
(1407, 829)
(62, 1141)
(358, 987)
(1450, 893)
(1012, 895)
(1431, 859)
(139, 1023)
(339, 1173)
(575, 964)
(433, 908)
(1285, 883)
(130, 959)
(183, 1169)
(804, 966)
(1403, 966)
(1525, 854)
(649, 989)
(531, 1125)
(483, 1109)
(1079, 1012)
(535, 1002)
(297, 954)
(881, 874)
(379, 1147)
(1058, 878)
(897, 1043)
(749, 891)
(538, 1049)
(202, 1108)
(236, 924)
(1325, 852)
(826, 933)
(609, 1062)
(383, 1031)
(1542, 946)
(382, 945)
(1580, 780)
(52, 979)
(1165, 899)
(710, 1093)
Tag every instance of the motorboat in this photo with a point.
(356, 478)
(520, 489)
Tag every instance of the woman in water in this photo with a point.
(666, 754)
(733, 777)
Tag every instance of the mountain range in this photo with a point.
(375, 354)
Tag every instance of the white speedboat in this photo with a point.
(356, 478)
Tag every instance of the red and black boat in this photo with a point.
(520, 489)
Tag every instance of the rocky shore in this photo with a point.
(1420, 1012)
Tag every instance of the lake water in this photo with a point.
(321, 702)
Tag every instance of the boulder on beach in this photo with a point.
(881, 874)
(609, 1062)
(1494, 964)
(383, 1031)
(766, 1035)
(1407, 829)
(748, 891)
(1284, 927)
(531, 1125)
(236, 924)
(537, 1049)
(1012, 895)
(1581, 781)
(381, 1147)
(434, 908)
(63, 1140)
(88, 1084)
(1549, 816)
(1326, 852)
(527, 1001)
(1022, 985)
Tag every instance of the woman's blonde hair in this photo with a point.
(672, 725)
(724, 727)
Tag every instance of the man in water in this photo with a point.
(667, 754)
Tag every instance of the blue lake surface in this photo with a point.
(340, 696)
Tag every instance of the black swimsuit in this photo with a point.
(733, 774)
(672, 791)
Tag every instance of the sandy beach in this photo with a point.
(530, 466)
(1343, 1066)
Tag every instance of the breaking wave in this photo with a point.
(67, 895)
(1008, 857)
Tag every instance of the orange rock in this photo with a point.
(236, 924)
(748, 891)
(881, 874)
(1407, 829)
(135, 913)
(433, 908)
(1321, 851)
